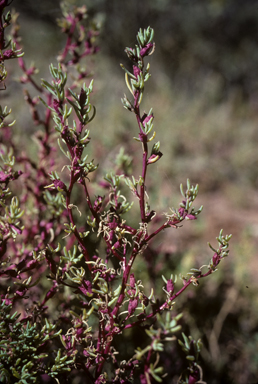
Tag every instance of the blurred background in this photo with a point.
(204, 95)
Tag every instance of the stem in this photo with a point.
(68, 41)
(144, 156)
(114, 312)
(71, 218)
(163, 306)
(96, 216)
(148, 238)
(144, 171)
(23, 67)
(120, 300)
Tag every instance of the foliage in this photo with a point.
(70, 288)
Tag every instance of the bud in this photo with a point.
(132, 305)
(147, 50)
(98, 203)
(82, 97)
(59, 185)
(170, 286)
(153, 158)
(132, 280)
(215, 259)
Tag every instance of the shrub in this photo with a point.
(73, 306)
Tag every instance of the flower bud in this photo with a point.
(147, 50)
(170, 286)
(132, 305)
(153, 158)
(132, 280)
(59, 184)
(215, 259)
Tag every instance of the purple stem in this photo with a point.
(163, 306)
(69, 40)
(144, 156)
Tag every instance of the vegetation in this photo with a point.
(82, 293)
